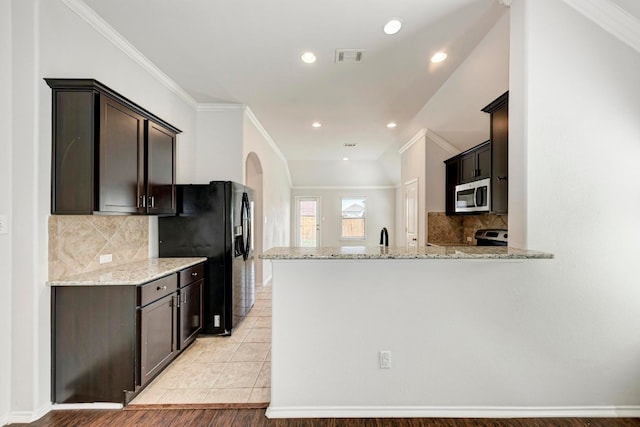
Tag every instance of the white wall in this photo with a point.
(437, 151)
(28, 372)
(338, 173)
(585, 112)
(219, 154)
(380, 205)
(412, 167)
(6, 196)
(276, 189)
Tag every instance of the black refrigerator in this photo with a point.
(214, 220)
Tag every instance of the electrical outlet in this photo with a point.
(469, 238)
(385, 359)
(216, 321)
(106, 258)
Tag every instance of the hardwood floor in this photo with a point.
(256, 418)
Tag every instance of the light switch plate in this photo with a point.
(4, 224)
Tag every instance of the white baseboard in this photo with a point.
(29, 417)
(453, 412)
(95, 405)
(26, 416)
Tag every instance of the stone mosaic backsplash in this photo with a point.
(77, 241)
(442, 228)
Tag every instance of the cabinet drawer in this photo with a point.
(151, 291)
(191, 274)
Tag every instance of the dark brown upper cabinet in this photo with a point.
(499, 126)
(475, 164)
(109, 154)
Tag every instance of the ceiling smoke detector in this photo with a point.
(345, 56)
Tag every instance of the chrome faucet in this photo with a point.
(384, 236)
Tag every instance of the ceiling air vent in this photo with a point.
(349, 56)
(348, 145)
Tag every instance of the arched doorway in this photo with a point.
(254, 180)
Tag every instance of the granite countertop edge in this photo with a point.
(433, 252)
(132, 273)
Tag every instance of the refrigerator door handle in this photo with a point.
(244, 220)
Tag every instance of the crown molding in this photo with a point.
(217, 107)
(101, 26)
(611, 18)
(417, 137)
(254, 120)
(442, 143)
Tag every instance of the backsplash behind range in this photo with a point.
(443, 228)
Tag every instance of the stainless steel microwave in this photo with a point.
(473, 196)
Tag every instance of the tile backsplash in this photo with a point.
(77, 241)
(442, 228)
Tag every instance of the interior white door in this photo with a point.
(308, 221)
(411, 206)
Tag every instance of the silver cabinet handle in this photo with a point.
(194, 274)
(161, 288)
(142, 203)
(152, 201)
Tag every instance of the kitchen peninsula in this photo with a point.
(391, 332)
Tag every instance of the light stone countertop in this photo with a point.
(133, 273)
(395, 252)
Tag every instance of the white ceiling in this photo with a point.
(248, 52)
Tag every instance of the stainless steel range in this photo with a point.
(491, 237)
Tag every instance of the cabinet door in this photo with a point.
(483, 162)
(500, 153)
(190, 312)
(158, 337)
(73, 166)
(468, 167)
(121, 158)
(451, 180)
(160, 170)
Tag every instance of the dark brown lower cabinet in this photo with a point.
(110, 341)
(190, 312)
(93, 343)
(158, 336)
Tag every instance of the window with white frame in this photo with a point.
(353, 217)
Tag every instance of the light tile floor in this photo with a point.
(221, 370)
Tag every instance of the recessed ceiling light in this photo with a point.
(391, 125)
(393, 26)
(316, 124)
(345, 158)
(308, 57)
(439, 57)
